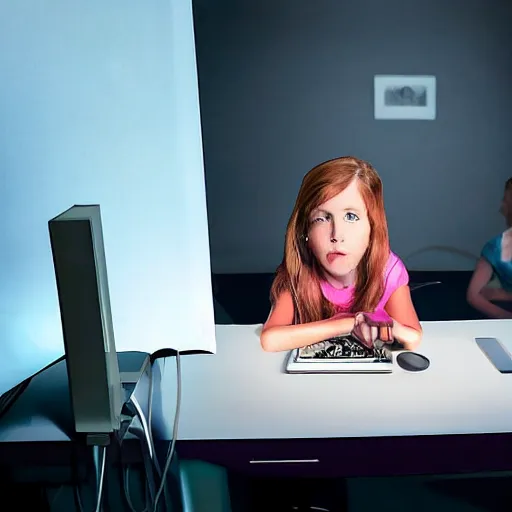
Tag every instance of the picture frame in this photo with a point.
(405, 97)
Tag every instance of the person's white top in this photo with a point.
(243, 392)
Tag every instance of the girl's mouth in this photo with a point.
(334, 255)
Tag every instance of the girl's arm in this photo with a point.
(406, 325)
(279, 333)
(475, 294)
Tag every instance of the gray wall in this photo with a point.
(285, 85)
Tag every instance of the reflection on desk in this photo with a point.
(43, 412)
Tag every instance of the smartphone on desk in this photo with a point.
(497, 354)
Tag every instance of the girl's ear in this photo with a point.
(303, 240)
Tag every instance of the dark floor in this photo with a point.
(207, 491)
(288, 494)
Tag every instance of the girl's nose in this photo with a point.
(336, 235)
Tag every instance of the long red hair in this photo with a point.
(299, 273)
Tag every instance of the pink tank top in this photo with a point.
(395, 276)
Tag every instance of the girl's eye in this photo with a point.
(351, 217)
(323, 218)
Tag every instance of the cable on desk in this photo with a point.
(126, 487)
(101, 479)
(147, 445)
(99, 482)
(149, 480)
(78, 500)
(150, 433)
(146, 429)
(148, 450)
(417, 286)
(170, 452)
(150, 427)
(150, 417)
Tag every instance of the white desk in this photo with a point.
(240, 409)
(242, 392)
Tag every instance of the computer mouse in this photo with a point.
(412, 362)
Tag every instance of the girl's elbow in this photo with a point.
(415, 339)
(473, 298)
(267, 342)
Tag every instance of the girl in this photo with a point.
(338, 274)
(495, 260)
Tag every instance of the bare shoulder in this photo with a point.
(282, 312)
(396, 272)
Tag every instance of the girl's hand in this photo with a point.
(369, 327)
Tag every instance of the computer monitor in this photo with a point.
(76, 238)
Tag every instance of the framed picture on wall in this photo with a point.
(405, 97)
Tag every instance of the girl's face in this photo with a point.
(339, 234)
